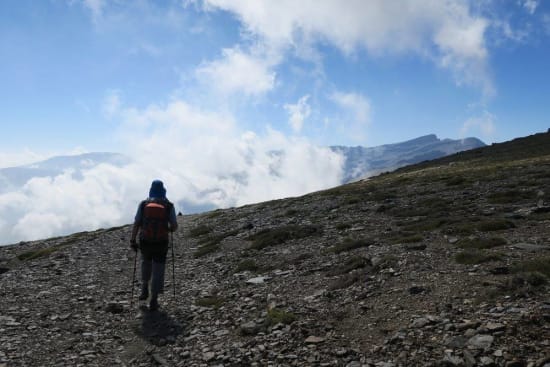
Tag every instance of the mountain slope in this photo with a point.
(443, 264)
(361, 162)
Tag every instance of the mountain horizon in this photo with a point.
(112, 180)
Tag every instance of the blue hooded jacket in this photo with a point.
(157, 190)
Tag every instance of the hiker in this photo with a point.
(155, 217)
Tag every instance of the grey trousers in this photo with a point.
(153, 259)
(152, 271)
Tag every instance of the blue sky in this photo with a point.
(202, 93)
(363, 73)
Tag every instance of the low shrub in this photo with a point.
(408, 239)
(277, 236)
(343, 226)
(200, 230)
(425, 225)
(35, 254)
(481, 243)
(345, 281)
(277, 316)
(495, 225)
(472, 257)
(205, 250)
(211, 301)
(350, 244)
(540, 265)
(356, 262)
(509, 196)
(246, 265)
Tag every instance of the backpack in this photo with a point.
(155, 216)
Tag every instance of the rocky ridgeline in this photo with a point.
(444, 265)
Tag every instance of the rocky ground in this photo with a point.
(445, 264)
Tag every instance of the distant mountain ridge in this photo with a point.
(361, 162)
(14, 177)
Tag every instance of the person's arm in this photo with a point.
(135, 228)
(173, 221)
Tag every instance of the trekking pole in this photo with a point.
(133, 281)
(173, 266)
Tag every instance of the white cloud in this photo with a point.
(203, 158)
(531, 6)
(446, 30)
(484, 124)
(95, 6)
(352, 117)
(238, 72)
(546, 23)
(298, 113)
(356, 105)
(111, 103)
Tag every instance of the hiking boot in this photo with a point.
(153, 304)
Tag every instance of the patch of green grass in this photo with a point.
(473, 257)
(481, 243)
(211, 301)
(434, 204)
(200, 231)
(343, 226)
(414, 211)
(464, 228)
(510, 196)
(351, 264)
(495, 225)
(211, 243)
(425, 225)
(277, 316)
(280, 235)
(456, 181)
(214, 214)
(205, 250)
(536, 278)
(246, 265)
(352, 200)
(540, 217)
(380, 195)
(408, 239)
(35, 254)
(345, 281)
(291, 212)
(387, 261)
(540, 265)
(349, 244)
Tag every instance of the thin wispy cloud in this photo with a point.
(298, 113)
(485, 124)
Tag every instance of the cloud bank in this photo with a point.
(205, 160)
(447, 31)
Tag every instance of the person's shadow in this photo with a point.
(158, 328)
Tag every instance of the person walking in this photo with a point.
(155, 218)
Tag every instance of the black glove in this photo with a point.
(134, 245)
